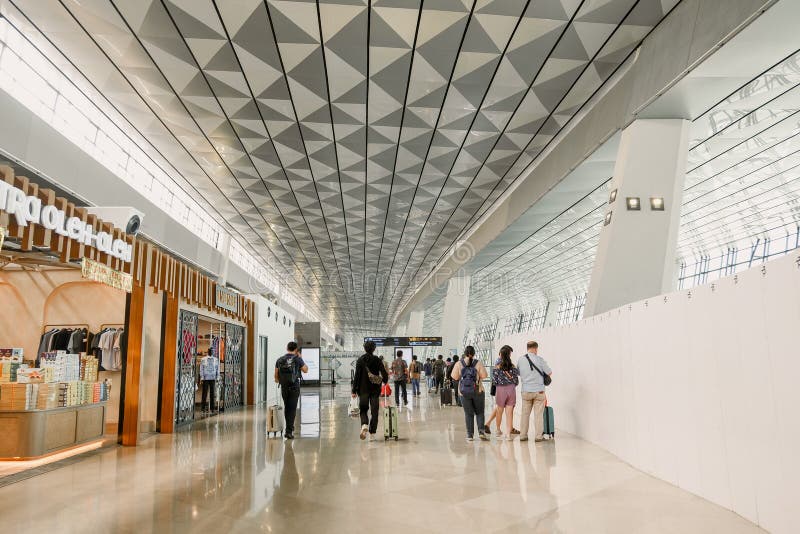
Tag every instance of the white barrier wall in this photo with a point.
(700, 388)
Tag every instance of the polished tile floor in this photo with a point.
(222, 475)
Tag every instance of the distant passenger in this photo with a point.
(454, 382)
(428, 370)
(438, 372)
(506, 379)
(400, 374)
(370, 374)
(532, 369)
(469, 373)
(416, 372)
(287, 374)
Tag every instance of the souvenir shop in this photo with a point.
(99, 332)
(64, 286)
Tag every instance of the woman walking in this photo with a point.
(506, 377)
(469, 373)
(370, 374)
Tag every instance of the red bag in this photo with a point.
(386, 390)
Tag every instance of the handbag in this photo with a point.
(493, 390)
(386, 390)
(546, 378)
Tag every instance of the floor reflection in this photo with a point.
(223, 474)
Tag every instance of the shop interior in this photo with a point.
(60, 359)
(210, 344)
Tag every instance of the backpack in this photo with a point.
(287, 371)
(469, 379)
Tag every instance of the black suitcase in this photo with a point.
(446, 396)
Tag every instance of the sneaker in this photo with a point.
(483, 437)
(289, 435)
(537, 440)
(364, 430)
(514, 430)
(372, 437)
(523, 438)
(487, 430)
(470, 438)
(499, 435)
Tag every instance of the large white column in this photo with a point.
(454, 315)
(636, 255)
(415, 321)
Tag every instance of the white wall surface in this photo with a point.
(278, 335)
(697, 387)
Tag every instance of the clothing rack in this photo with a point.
(71, 326)
(104, 326)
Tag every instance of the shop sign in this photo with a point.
(29, 209)
(91, 270)
(227, 299)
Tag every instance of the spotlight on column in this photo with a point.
(633, 203)
(607, 220)
(612, 197)
(657, 203)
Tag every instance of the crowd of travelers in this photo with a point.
(462, 381)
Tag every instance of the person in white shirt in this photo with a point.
(532, 369)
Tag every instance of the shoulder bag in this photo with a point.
(546, 378)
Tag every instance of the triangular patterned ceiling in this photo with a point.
(348, 143)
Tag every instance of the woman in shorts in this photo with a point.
(505, 375)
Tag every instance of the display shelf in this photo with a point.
(35, 433)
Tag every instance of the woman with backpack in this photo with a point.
(370, 374)
(505, 376)
(469, 373)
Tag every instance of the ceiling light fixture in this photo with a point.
(612, 197)
(657, 203)
(607, 220)
(633, 203)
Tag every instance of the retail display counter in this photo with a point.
(26, 434)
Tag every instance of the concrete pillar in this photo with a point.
(454, 315)
(415, 321)
(636, 255)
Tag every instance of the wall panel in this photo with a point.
(698, 388)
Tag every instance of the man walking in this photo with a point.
(454, 381)
(428, 370)
(438, 372)
(287, 374)
(400, 372)
(532, 370)
(416, 372)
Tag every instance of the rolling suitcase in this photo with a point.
(275, 420)
(446, 395)
(549, 422)
(389, 422)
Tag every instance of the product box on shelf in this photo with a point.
(30, 375)
(12, 355)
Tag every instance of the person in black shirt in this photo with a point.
(287, 374)
(369, 376)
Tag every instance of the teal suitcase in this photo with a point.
(549, 422)
(390, 423)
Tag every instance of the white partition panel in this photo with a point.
(697, 387)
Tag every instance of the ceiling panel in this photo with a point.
(348, 144)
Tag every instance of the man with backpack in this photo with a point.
(287, 375)
(454, 381)
(370, 374)
(534, 374)
(416, 372)
(438, 372)
(469, 373)
(400, 372)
